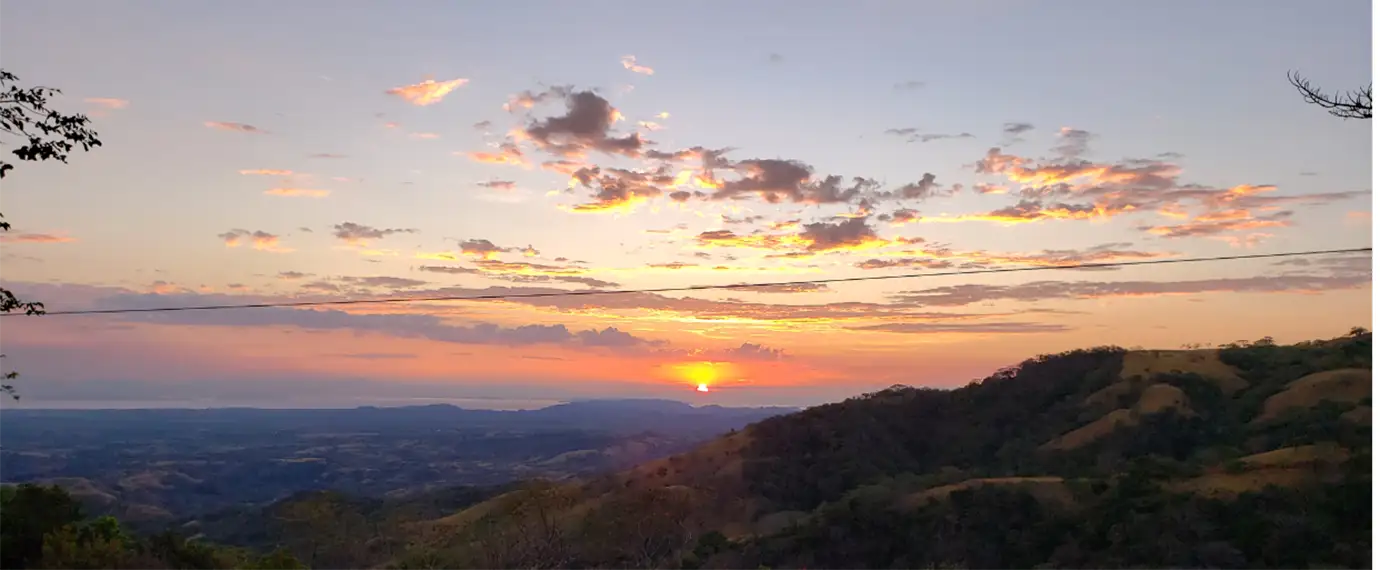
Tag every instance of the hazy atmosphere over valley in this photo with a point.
(265, 152)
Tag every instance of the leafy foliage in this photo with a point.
(44, 527)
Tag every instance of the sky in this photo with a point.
(263, 151)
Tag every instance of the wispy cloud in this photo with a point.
(266, 172)
(258, 239)
(235, 127)
(630, 63)
(428, 92)
(298, 192)
(360, 235)
(107, 103)
(35, 238)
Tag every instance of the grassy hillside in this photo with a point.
(1248, 455)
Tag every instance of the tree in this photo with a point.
(46, 135)
(1349, 105)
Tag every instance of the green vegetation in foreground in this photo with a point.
(44, 527)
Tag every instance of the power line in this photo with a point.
(289, 304)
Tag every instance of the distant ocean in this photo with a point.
(471, 403)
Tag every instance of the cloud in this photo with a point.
(1073, 143)
(325, 155)
(258, 239)
(908, 85)
(508, 153)
(298, 192)
(382, 281)
(236, 127)
(399, 325)
(486, 249)
(928, 137)
(1338, 277)
(1016, 129)
(498, 184)
(775, 58)
(912, 134)
(483, 125)
(529, 99)
(35, 238)
(424, 136)
(788, 288)
(850, 234)
(108, 103)
(965, 328)
(523, 273)
(944, 257)
(776, 180)
(586, 126)
(744, 352)
(616, 189)
(292, 275)
(630, 63)
(266, 172)
(360, 235)
(923, 189)
(1220, 222)
(428, 92)
(372, 355)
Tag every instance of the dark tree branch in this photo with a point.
(1349, 105)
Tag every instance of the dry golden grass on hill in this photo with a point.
(1359, 414)
(1050, 490)
(1154, 398)
(1093, 431)
(1223, 484)
(1347, 385)
(1203, 362)
(1287, 466)
(1160, 397)
(1328, 453)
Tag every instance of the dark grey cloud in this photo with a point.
(1073, 143)
(825, 236)
(357, 233)
(776, 180)
(1336, 278)
(498, 184)
(1016, 129)
(586, 126)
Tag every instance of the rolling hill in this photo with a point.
(1097, 457)
(1250, 455)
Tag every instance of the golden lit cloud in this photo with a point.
(297, 192)
(266, 172)
(259, 240)
(508, 153)
(428, 92)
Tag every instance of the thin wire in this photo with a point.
(698, 287)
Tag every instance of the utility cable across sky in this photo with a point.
(688, 288)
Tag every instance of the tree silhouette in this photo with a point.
(1349, 105)
(46, 135)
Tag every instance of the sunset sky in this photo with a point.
(261, 151)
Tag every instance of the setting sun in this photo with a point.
(702, 388)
